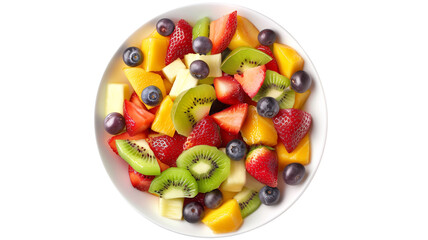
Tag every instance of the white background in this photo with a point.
(371, 57)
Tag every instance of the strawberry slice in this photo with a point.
(136, 118)
(125, 136)
(252, 79)
(272, 65)
(206, 132)
(166, 148)
(222, 31)
(262, 164)
(140, 181)
(231, 118)
(136, 100)
(228, 90)
(292, 125)
(226, 137)
(180, 43)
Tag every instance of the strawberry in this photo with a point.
(272, 65)
(228, 90)
(262, 164)
(198, 198)
(252, 79)
(222, 31)
(140, 181)
(226, 137)
(125, 136)
(292, 125)
(136, 100)
(231, 118)
(180, 43)
(166, 148)
(136, 118)
(206, 132)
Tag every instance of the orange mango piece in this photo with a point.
(302, 153)
(226, 218)
(163, 122)
(154, 52)
(289, 61)
(300, 99)
(258, 130)
(245, 35)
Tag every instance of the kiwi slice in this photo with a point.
(243, 58)
(174, 183)
(138, 154)
(277, 86)
(208, 80)
(248, 201)
(208, 165)
(191, 106)
(201, 28)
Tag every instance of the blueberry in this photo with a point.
(114, 123)
(267, 107)
(300, 81)
(213, 199)
(132, 56)
(266, 37)
(269, 195)
(293, 173)
(202, 45)
(199, 69)
(151, 96)
(193, 212)
(236, 149)
(165, 26)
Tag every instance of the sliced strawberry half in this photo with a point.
(231, 118)
(166, 148)
(136, 118)
(292, 125)
(262, 164)
(136, 100)
(125, 136)
(222, 31)
(206, 132)
(226, 137)
(228, 90)
(180, 43)
(140, 181)
(252, 79)
(272, 65)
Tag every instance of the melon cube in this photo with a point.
(116, 94)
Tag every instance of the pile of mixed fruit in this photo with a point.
(214, 117)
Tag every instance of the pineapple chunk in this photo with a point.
(226, 218)
(258, 130)
(302, 153)
(252, 183)
(172, 69)
(154, 52)
(289, 61)
(236, 179)
(116, 94)
(300, 99)
(245, 35)
(163, 122)
(213, 62)
(171, 208)
(184, 81)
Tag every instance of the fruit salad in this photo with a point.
(211, 119)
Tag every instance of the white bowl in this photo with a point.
(147, 204)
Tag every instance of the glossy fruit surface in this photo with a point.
(301, 81)
(228, 90)
(114, 123)
(165, 26)
(267, 107)
(258, 130)
(199, 69)
(193, 212)
(132, 56)
(232, 118)
(236, 149)
(269, 195)
(180, 43)
(205, 132)
(262, 163)
(266, 37)
(151, 96)
(202, 45)
(222, 31)
(213, 199)
(293, 173)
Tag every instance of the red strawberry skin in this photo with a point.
(222, 31)
(137, 119)
(252, 79)
(226, 137)
(205, 132)
(166, 148)
(228, 90)
(262, 164)
(136, 100)
(272, 65)
(180, 43)
(292, 125)
(125, 136)
(231, 118)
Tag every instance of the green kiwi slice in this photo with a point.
(174, 183)
(201, 28)
(191, 106)
(138, 154)
(248, 201)
(243, 58)
(277, 86)
(208, 165)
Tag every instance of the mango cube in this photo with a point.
(289, 61)
(258, 130)
(163, 122)
(300, 99)
(154, 52)
(226, 218)
(302, 153)
(170, 71)
(116, 94)
(245, 35)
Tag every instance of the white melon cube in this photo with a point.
(116, 94)
(172, 69)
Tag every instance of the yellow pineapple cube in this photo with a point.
(172, 69)
(300, 99)
(226, 218)
(163, 122)
(245, 35)
(116, 94)
(258, 130)
(289, 61)
(302, 153)
(154, 52)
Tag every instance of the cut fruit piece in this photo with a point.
(302, 153)
(180, 43)
(171, 208)
(116, 93)
(208, 165)
(137, 119)
(272, 65)
(141, 79)
(246, 34)
(226, 218)
(168, 86)
(222, 31)
(198, 198)
(208, 80)
(252, 79)
(183, 82)
(170, 71)
(155, 34)
(232, 118)
(138, 154)
(300, 99)
(228, 90)
(191, 106)
(227, 195)
(174, 183)
(289, 61)
(244, 58)
(205, 132)
(236, 179)
(248, 201)
(277, 86)
(201, 28)
(163, 122)
(262, 164)
(125, 136)
(136, 100)
(258, 130)
(213, 62)
(166, 148)
(154, 52)
(252, 183)
(140, 181)
(226, 137)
